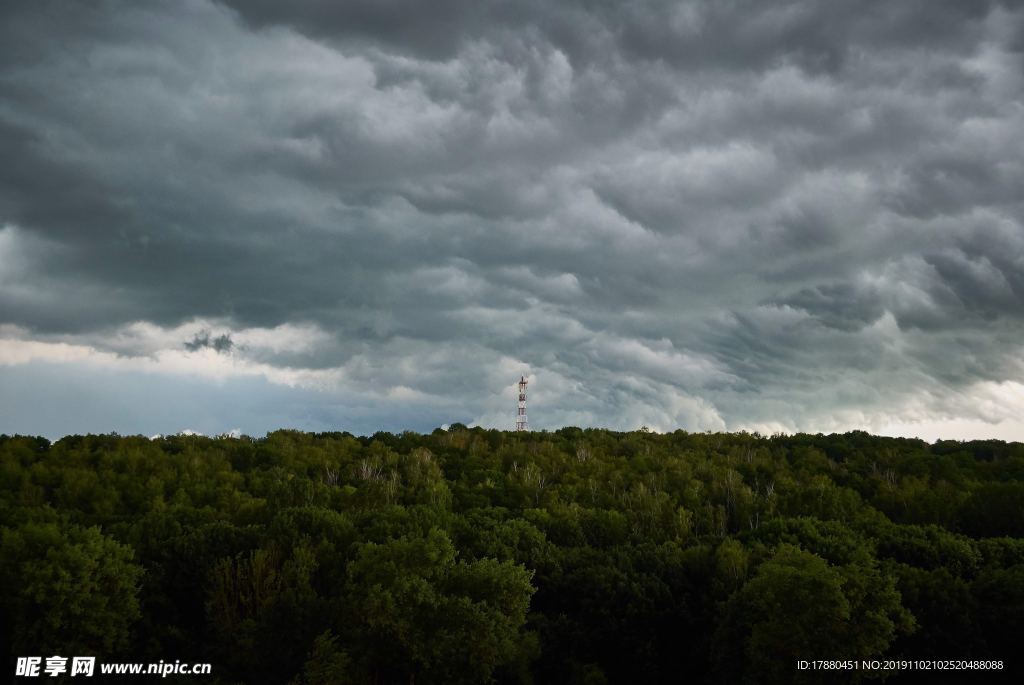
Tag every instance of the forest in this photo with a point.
(481, 556)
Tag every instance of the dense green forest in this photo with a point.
(473, 556)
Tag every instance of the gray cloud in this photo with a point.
(203, 340)
(706, 214)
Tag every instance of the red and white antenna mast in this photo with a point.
(521, 416)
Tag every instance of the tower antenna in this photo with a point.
(521, 415)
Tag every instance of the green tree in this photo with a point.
(437, 619)
(328, 663)
(67, 590)
(797, 606)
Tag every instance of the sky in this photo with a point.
(800, 215)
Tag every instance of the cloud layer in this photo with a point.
(728, 215)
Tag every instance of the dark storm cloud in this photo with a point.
(841, 305)
(729, 34)
(202, 340)
(702, 214)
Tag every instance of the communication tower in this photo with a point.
(521, 415)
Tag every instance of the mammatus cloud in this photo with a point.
(764, 216)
